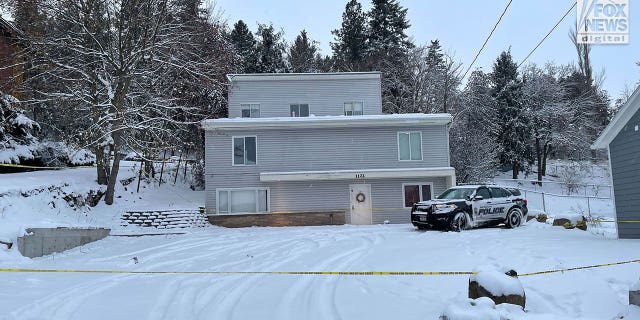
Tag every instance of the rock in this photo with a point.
(582, 225)
(560, 222)
(497, 286)
(541, 218)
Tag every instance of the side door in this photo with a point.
(482, 208)
(501, 202)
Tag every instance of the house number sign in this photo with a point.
(359, 175)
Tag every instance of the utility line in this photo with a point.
(550, 31)
(487, 40)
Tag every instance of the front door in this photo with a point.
(360, 203)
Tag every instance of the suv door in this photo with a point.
(501, 202)
(482, 208)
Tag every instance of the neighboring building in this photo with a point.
(314, 143)
(621, 138)
(9, 46)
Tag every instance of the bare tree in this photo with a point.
(121, 65)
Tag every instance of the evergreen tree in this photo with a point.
(387, 25)
(271, 50)
(350, 46)
(514, 133)
(17, 142)
(388, 52)
(245, 44)
(303, 54)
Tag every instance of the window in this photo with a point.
(353, 109)
(299, 110)
(250, 110)
(249, 200)
(410, 146)
(415, 193)
(499, 193)
(484, 193)
(244, 151)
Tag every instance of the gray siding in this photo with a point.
(386, 195)
(625, 170)
(325, 149)
(325, 97)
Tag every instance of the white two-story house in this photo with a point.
(301, 149)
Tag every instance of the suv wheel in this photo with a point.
(514, 218)
(460, 222)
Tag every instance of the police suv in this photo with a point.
(470, 206)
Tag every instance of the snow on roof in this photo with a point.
(328, 121)
(234, 77)
(619, 121)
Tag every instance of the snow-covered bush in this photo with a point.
(197, 176)
(17, 142)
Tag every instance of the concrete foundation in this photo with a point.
(43, 241)
(634, 297)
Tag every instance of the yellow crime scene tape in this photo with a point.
(37, 167)
(332, 273)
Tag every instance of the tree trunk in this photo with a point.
(102, 165)
(113, 176)
(539, 160)
(516, 170)
(547, 151)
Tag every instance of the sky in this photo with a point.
(461, 26)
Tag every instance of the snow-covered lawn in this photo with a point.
(599, 293)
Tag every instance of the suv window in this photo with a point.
(483, 192)
(499, 193)
(514, 191)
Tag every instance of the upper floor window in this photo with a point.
(299, 110)
(244, 151)
(410, 146)
(250, 110)
(353, 109)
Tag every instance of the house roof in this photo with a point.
(390, 120)
(619, 121)
(302, 76)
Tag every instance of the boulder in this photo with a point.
(560, 222)
(497, 286)
(541, 218)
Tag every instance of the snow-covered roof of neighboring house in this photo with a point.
(390, 120)
(619, 121)
(303, 76)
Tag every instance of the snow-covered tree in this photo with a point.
(17, 142)
(473, 148)
(514, 127)
(303, 54)
(387, 51)
(350, 46)
(271, 50)
(111, 63)
(245, 45)
(551, 115)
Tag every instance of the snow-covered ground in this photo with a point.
(583, 294)
(34, 199)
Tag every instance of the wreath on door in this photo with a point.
(360, 197)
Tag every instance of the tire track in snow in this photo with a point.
(302, 293)
(63, 304)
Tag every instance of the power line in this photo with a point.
(487, 40)
(550, 31)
